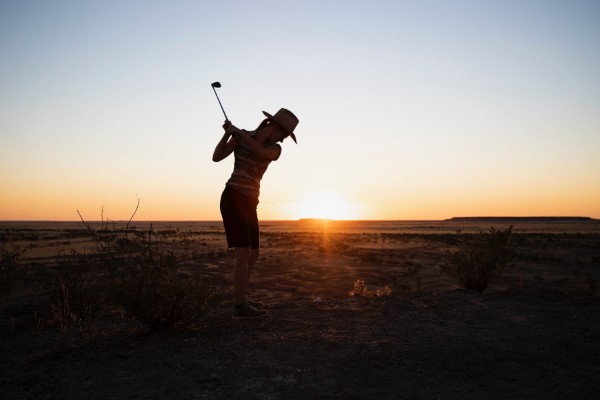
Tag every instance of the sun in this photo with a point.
(325, 204)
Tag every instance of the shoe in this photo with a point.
(246, 311)
(255, 304)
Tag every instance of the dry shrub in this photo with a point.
(145, 278)
(147, 282)
(481, 258)
(74, 289)
(9, 260)
(360, 289)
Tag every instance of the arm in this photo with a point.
(270, 153)
(226, 145)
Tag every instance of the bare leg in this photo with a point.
(240, 273)
(251, 262)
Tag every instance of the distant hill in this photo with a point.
(521, 219)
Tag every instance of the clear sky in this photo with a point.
(408, 109)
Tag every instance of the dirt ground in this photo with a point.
(534, 334)
(452, 345)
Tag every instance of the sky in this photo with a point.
(408, 109)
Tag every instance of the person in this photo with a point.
(253, 152)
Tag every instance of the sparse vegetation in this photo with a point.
(95, 277)
(360, 289)
(481, 258)
(9, 259)
(144, 277)
(75, 289)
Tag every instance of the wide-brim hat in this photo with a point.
(286, 120)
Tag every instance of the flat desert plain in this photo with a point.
(534, 333)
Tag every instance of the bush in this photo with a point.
(480, 259)
(147, 282)
(360, 289)
(145, 279)
(9, 259)
(74, 289)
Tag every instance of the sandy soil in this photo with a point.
(534, 334)
(453, 345)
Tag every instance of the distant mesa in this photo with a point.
(521, 219)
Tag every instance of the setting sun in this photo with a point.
(326, 205)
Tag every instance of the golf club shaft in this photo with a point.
(219, 100)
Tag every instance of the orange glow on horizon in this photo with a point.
(277, 205)
(324, 204)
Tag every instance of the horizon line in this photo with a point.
(320, 219)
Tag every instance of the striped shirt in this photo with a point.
(248, 169)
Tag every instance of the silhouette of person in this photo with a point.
(253, 152)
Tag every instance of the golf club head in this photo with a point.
(218, 85)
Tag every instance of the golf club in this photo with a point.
(218, 85)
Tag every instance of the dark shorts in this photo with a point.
(240, 219)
